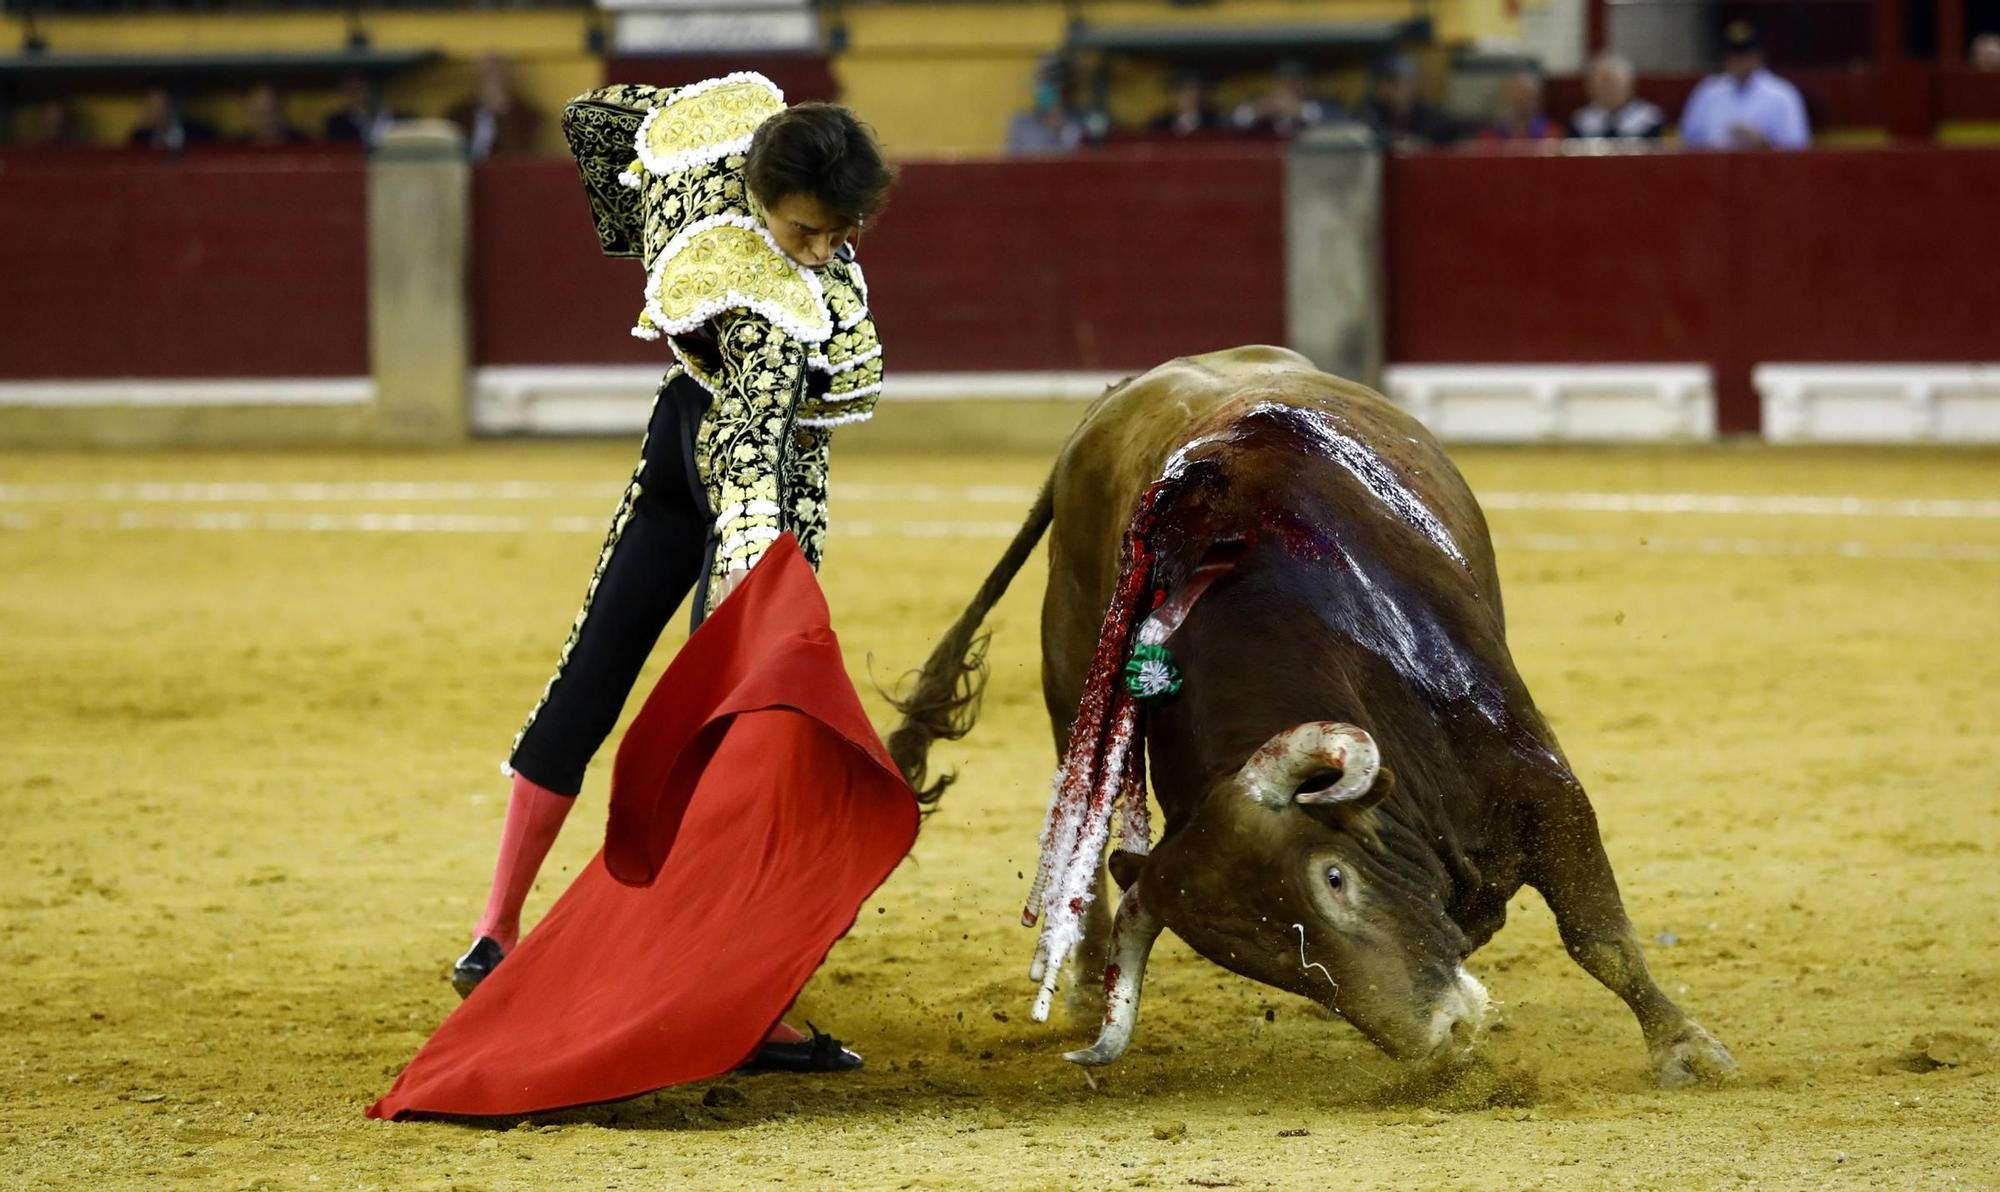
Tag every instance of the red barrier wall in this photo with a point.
(1730, 260)
(1102, 262)
(218, 266)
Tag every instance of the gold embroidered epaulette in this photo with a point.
(706, 122)
(730, 262)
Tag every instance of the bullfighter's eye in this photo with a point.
(1334, 881)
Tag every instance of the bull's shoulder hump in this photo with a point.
(1252, 359)
(1201, 383)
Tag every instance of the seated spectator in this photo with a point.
(161, 126)
(1985, 52)
(1520, 116)
(1398, 114)
(1614, 112)
(1288, 110)
(1050, 126)
(268, 126)
(1190, 114)
(55, 125)
(359, 119)
(497, 122)
(1746, 106)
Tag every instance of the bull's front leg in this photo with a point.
(1084, 997)
(1574, 877)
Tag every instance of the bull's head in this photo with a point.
(1282, 875)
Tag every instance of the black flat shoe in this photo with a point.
(820, 1053)
(476, 965)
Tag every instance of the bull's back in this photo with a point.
(1126, 438)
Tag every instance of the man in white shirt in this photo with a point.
(1746, 106)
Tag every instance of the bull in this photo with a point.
(1353, 776)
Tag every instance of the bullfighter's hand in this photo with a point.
(730, 582)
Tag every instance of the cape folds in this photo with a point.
(753, 811)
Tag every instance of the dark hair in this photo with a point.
(822, 150)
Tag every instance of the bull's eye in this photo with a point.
(1334, 881)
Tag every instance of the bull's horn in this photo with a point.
(1132, 934)
(1275, 773)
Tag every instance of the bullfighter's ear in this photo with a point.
(1126, 867)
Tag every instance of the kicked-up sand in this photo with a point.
(254, 705)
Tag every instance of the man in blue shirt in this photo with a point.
(1746, 106)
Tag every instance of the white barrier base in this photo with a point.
(1529, 403)
(218, 391)
(585, 400)
(1880, 403)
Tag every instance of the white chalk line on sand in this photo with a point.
(242, 521)
(358, 492)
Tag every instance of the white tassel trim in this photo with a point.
(823, 364)
(687, 159)
(630, 181)
(838, 420)
(779, 317)
(758, 534)
(688, 370)
(847, 395)
(746, 509)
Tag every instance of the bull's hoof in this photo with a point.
(1691, 1056)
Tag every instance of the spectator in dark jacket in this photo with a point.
(162, 126)
(359, 118)
(268, 126)
(496, 120)
(1519, 116)
(1614, 112)
(1289, 109)
(1398, 114)
(55, 125)
(1190, 114)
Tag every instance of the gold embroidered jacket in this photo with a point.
(786, 352)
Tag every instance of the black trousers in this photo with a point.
(655, 553)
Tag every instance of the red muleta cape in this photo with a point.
(753, 811)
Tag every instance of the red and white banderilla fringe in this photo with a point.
(1102, 773)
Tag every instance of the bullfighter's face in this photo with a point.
(806, 229)
(1309, 897)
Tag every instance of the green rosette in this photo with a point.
(1151, 674)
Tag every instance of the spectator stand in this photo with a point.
(38, 74)
(1870, 71)
(1102, 50)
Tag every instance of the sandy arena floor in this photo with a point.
(254, 705)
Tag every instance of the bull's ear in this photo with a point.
(1126, 867)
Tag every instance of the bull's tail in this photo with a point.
(944, 702)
